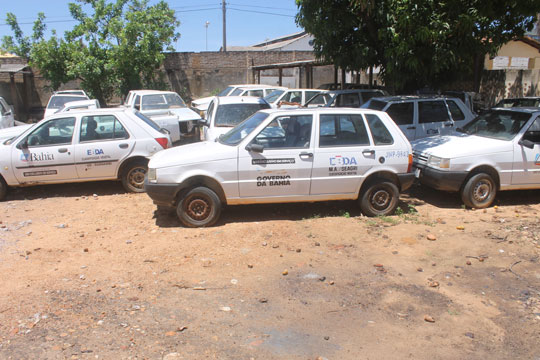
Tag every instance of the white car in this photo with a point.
(103, 144)
(499, 150)
(57, 101)
(71, 92)
(7, 118)
(225, 113)
(256, 90)
(168, 110)
(79, 105)
(290, 98)
(422, 116)
(278, 156)
(344, 98)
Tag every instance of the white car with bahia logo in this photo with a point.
(278, 156)
(101, 144)
(498, 150)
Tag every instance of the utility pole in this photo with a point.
(224, 8)
(206, 26)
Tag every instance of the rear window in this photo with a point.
(148, 121)
(58, 101)
(381, 135)
(342, 130)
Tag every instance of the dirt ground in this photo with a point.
(90, 272)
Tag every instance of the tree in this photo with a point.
(415, 42)
(116, 47)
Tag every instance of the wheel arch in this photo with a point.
(129, 161)
(490, 170)
(379, 176)
(201, 180)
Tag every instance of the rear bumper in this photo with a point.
(162, 194)
(406, 180)
(442, 180)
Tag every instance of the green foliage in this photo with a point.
(115, 47)
(415, 42)
(344, 213)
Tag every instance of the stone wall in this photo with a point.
(500, 84)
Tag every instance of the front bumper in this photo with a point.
(162, 194)
(441, 180)
(406, 180)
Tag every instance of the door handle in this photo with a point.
(432, 131)
(449, 124)
(62, 150)
(411, 127)
(368, 152)
(306, 155)
(123, 146)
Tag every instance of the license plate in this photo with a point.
(417, 173)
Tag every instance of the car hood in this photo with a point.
(201, 152)
(202, 101)
(185, 114)
(8, 133)
(460, 145)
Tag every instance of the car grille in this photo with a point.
(420, 158)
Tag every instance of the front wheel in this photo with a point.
(3, 188)
(379, 199)
(479, 191)
(199, 207)
(133, 176)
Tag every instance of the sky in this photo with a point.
(248, 21)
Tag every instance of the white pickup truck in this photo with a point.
(168, 110)
(499, 150)
(278, 156)
(6, 115)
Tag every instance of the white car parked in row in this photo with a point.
(225, 113)
(499, 150)
(7, 118)
(278, 156)
(58, 99)
(290, 98)
(103, 144)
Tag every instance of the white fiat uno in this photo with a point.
(278, 156)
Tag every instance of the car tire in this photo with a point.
(479, 191)
(133, 176)
(3, 189)
(199, 207)
(379, 199)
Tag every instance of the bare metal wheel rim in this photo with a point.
(136, 177)
(482, 190)
(381, 199)
(198, 208)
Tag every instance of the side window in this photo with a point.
(286, 132)
(137, 102)
(455, 111)
(103, 127)
(310, 95)
(54, 132)
(347, 100)
(258, 93)
(293, 96)
(342, 130)
(401, 113)
(533, 133)
(379, 132)
(432, 111)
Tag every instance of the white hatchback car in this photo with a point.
(102, 144)
(278, 156)
(57, 101)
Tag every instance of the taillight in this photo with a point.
(163, 142)
(409, 168)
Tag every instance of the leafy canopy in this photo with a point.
(114, 47)
(415, 42)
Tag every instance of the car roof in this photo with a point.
(412, 97)
(253, 85)
(527, 110)
(353, 91)
(149, 92)
(99, 111)
(222, 100)
(70, 95)
(325, 110)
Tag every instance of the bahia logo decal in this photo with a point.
(537, 160)
(339, 160)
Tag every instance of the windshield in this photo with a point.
(238, 133)
(162, 102)
(523, 102)
(58, 101)
(273, 96)
(502, 125)
(225, 92)
(230, 115)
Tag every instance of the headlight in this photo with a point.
(439, 162)
(152, 175)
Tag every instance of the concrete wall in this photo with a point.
(500, 84)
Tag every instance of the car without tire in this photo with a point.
(280, 156)
(499, 150)
(101, 144)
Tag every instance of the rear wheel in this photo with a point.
(133, 176)
(199, 207)
(379, 199)
(3, 188)
(479, 191)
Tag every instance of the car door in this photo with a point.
(526, 168)
(284, 167)
(343, 154)
(433, 119)
(102, 145)
(403, 115)
(47, 153)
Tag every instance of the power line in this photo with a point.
(262, 12)
(262, 7)
(183, 11)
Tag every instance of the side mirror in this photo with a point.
(255, 148)
(137, 107)
(24, 144)
(527, 143)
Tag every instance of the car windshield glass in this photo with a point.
(502, 125)
(374, 104)
(507, 103)
(230, 115)
(162, 102)
(225, 92)
(273, 96)
(238, 133)
(58, 101)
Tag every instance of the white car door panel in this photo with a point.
(526, 160)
